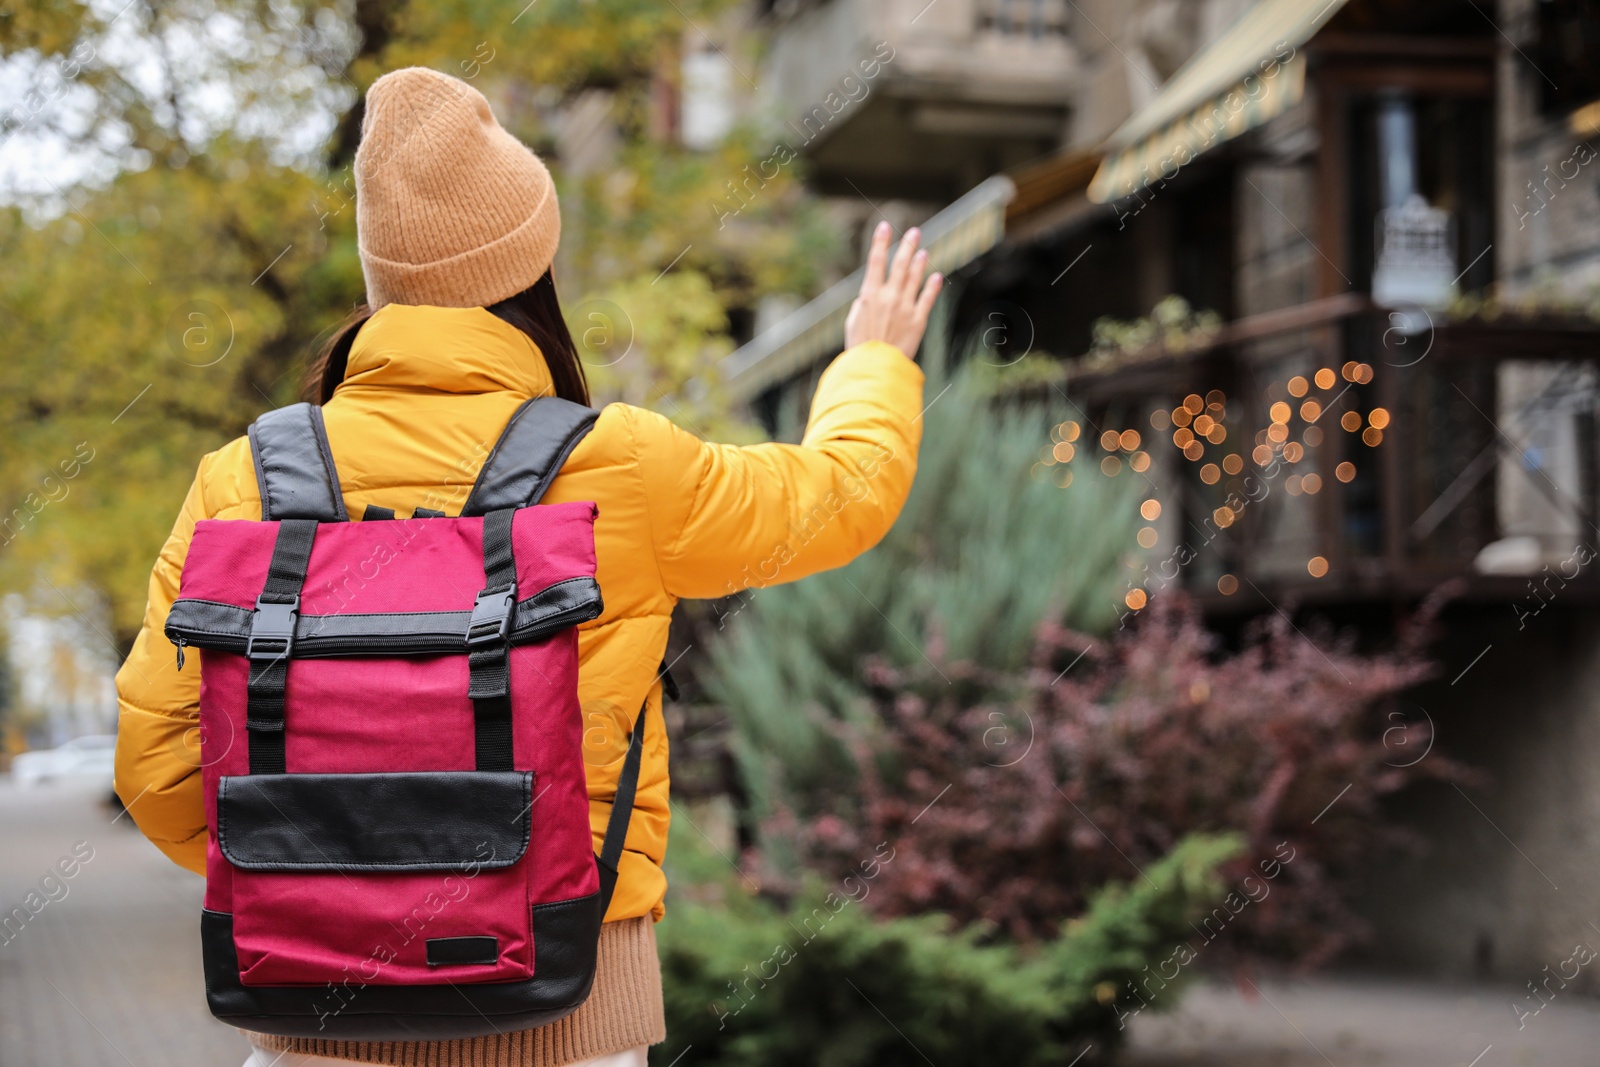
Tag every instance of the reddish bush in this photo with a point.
(1010, 798)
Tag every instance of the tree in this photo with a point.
(164, 284)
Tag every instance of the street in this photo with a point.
(108, 971)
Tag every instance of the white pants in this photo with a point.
(260, 1057)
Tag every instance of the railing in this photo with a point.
(1027, 18)
(1321, 449)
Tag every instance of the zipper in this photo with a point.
(180, 642)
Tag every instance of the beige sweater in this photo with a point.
(623, 1011)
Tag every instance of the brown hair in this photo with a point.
(535, 311)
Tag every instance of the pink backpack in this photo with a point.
(392, 747)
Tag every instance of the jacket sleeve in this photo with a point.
(727, 518)
(158, 750)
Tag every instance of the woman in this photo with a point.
(457, 225)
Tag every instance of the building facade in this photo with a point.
(1337, 265)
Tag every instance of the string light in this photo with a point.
(1223, 517)
(1297, 386)
(1311, 411)
(1317, 566)
(1345, 471)
(1280, 413)
(1325, 378)
(1379, 418)
(1150, 510)
(1203, 424)
(1194, 450)
(1372, 436)
(1136, 599)
(1294, 452)
(1351, 420)
(1129, 440)
(1232, 463)
(1139, 461)
(1063, 452)
(1210, 474)
(1110, 441)
(1182, 436)
(1194, 404)
(1182, 416)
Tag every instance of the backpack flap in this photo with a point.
(412, 821)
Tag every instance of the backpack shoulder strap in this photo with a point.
(294, 466)
(536, 442)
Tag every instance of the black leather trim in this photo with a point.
(535, 443)
(564, 941)
(226, 627)
(294, 467)
(407, 821)
(462, 951)
(374, 513)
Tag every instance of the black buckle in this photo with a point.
(272, 629)
(491, 617)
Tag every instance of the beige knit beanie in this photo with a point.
(451, 210)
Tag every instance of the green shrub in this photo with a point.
(822, 983)
(989, 546)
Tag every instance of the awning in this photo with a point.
(1252, 72)
(954, 237)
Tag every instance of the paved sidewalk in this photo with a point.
(109, 973)
(1338, 1022)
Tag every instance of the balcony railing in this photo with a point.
(1321, 450)
(1023, 18)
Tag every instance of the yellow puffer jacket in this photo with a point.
(426, 394)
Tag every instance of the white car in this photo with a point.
(81, 759)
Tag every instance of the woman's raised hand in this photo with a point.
(893, 308)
